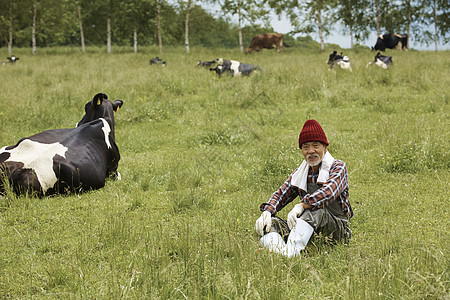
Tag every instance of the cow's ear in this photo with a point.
(117, 104)
(98, 99)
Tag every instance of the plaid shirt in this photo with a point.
(335, 189)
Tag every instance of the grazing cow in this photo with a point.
(340, 60)
(157, 61)
(381, 61)
(391, 41)
(234, 68)
(208, 64)
(266, 41)
(65, 160)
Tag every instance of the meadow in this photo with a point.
(199, 154)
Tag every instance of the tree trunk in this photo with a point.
(83, 48)
(33, 30)
(186, 27)
(241, 46)
(377, 15)
(158, 30)
(135, 40)
(435, 27)
(409, 23)
(10, 27)
(319, 23)
(351, 36)
(108, 34)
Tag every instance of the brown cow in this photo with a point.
(267, 41)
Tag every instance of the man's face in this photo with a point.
(313, 152)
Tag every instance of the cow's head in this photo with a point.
(101, 107)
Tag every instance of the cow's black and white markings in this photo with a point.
(340, 60)
(235, 68)
(63, 160)
(381, 61)
(12, 59)
(208, 64)
(391, 41)
(158, 61)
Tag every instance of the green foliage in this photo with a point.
(199, 154)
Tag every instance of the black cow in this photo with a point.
(340, 60)
(64, 160)
(157, 61)
(391, 41)
(208, 64)
(234, 68)
(381, 61)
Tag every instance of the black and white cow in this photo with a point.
(64, 160)
(391, 41)
(234, 68)
(12, 59)
(340, 60)
(158, 61)
(381, 61)
(208, 64)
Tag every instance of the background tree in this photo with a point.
(80, 22)
(434, 22)
(352, 14)
(189, 5)
(247, 11)
(307, 16)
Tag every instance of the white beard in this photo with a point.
(317, 162)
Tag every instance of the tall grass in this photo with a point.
(199, 154)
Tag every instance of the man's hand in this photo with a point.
(295, 213)
(264, 223)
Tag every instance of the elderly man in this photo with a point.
(322, 184)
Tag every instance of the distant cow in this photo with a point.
(266, 41)
(391, 41)
(340, 60)
(234, 68)
(12, 59)
(64, 160)
(157, 61)
(381, 61)
(208, 64)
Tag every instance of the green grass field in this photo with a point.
(199, 154)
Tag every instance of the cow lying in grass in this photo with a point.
(208, 64)
(234, 68)
(65, 160)
(157, 61)
(381, 61)
(340, 60)
(12, 59)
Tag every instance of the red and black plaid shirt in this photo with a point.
(335, 189)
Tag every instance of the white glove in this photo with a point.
(264, 223)
(295, 213)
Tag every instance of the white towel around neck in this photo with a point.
(300, 177)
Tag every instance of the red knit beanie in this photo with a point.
(311, 132)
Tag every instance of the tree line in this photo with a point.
(47, 23)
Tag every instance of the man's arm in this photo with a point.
(284, 195)
(336, 184)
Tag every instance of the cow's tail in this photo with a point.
(286, 45)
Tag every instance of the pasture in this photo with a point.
(199, 154)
